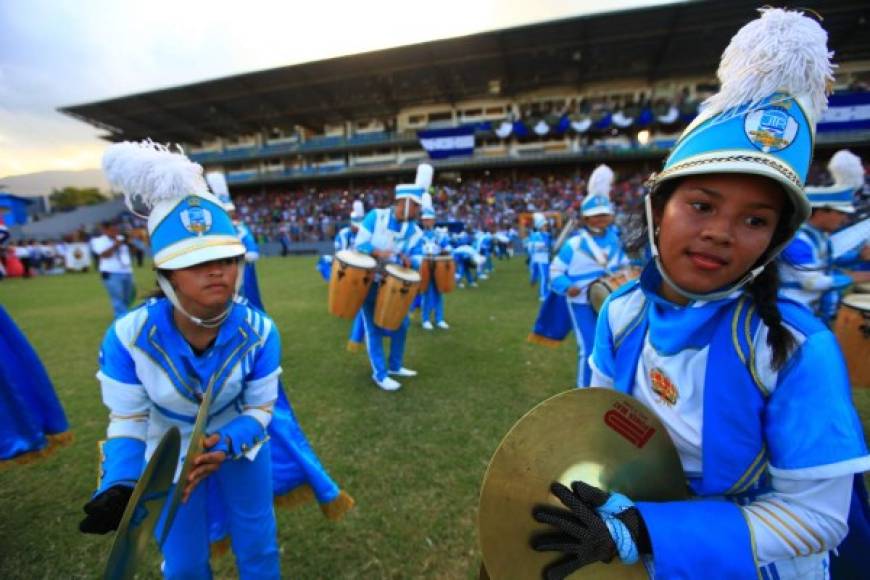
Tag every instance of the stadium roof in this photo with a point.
(655, 43)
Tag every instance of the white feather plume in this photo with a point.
(600, 181)
(358, 209)
(846, 169)
(148, 173)
(217, 183)
(780, 51)
(424, 175)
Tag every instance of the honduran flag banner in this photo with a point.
(847, 112)
(453, 142)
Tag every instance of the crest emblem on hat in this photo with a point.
(664, 387)
(196, 219)
(770, 129)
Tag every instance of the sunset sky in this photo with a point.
(62, 52)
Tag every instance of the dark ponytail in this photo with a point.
(764, 291)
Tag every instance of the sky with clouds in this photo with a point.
(63, 52)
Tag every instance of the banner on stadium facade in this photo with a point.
(849, 112)
(453, 142)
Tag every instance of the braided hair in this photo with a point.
(763, 289)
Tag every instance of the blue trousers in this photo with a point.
(245, 492)
(121, 291)
(357, 331)
(466, 269)
(433, 300)
(583, 320)
(541, 274)
(375, 339)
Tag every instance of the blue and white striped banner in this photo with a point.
(850, 112)
(453, 142)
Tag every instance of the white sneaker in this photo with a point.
(474, 284)
(403, 372)
(388, 384)
(427, 325)
(443, 325)
(483, 277)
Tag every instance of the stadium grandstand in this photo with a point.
(501, 109)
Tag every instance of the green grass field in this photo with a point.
(413, 460)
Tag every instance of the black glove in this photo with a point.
(583, 536)
(106, 510)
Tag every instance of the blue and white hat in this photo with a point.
(597, 201)
(539, 220)
(218, 184)
(848, 173)
(421, 184)
(358, 213)
(774, 77)
(187, 224)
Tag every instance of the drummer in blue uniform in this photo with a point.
(751, 388)
(807, 264)
(157, 361)
(594, 251)
(392, 236)
(434, 244)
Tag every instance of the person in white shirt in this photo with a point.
(116, 269)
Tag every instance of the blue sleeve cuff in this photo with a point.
(240, 436)
(690, 536)
(121, 462)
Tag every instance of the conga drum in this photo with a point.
(426, 267)
(863, 288)
(352, 274)
(852, 329)
(445, 274)
(603, 287)
(398, 289)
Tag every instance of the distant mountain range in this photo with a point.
(43, 182)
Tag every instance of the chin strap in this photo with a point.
(212, 322)
(718, 294)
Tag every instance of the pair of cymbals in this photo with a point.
(150, 496)
(599, 436)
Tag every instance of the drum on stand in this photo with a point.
(352, 274)
(445, 274)
(852, 328)
(603, 287)
(398, 289)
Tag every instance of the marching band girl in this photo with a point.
(752, 389)
(157, 361)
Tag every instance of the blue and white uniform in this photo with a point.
(381, 231)
(434, 244)
(152, 380)
(539, 244)
(344, 239)
(466, 259)
(584, 258)
(779, 501)
(807, 272)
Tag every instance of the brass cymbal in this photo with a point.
(143, 509)
(194, 448)
(599, 436)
